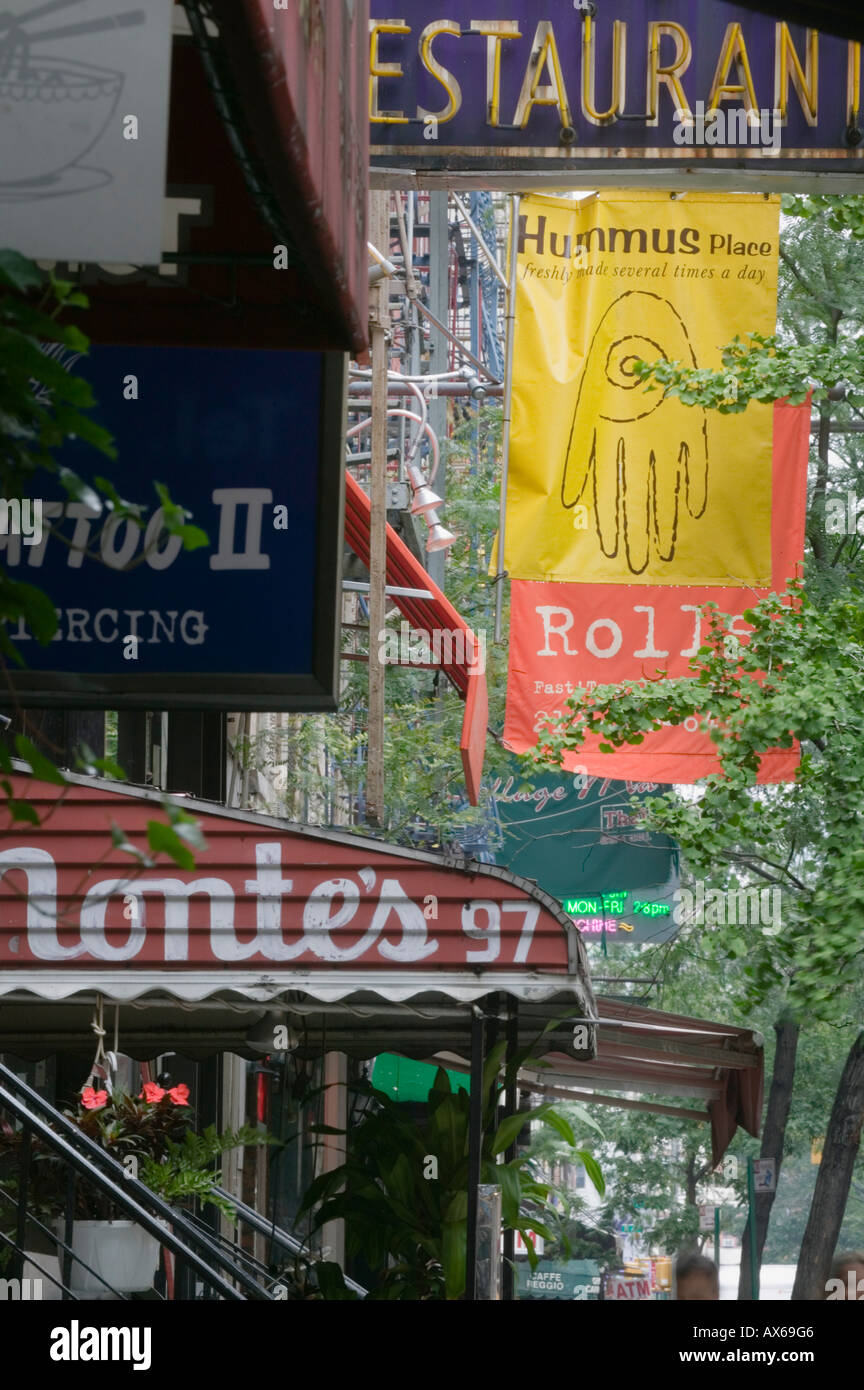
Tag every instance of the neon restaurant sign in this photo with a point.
(566, 86)
(629, 915)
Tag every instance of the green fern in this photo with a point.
(187, 1169)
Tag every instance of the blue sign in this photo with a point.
(251, 444)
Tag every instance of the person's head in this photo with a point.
(696, 1278)
(850, 1263)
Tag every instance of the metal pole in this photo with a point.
(379, 217)
(511, 1101)
(68, 1220)
(24, 1164)
(475, 1148)
(488, 1287)
(358, 397)
(439, 298)
(484, 249)
(457, 342)
(717, 1239)
(474, 301)
(359, 586)
(508, 400)
(754, 1257)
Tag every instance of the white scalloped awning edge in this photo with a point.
(264, 987)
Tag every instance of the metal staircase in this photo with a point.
(201, 1264)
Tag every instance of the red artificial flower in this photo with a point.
(179, 1094)
(93, 1100)
(152, 1093)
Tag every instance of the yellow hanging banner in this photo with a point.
(610, 481)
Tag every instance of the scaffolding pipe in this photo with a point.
(479, 239)
(500, 573)
(441, 388)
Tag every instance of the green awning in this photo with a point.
(404, 1080)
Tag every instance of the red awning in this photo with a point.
(429, 615)
(361, 946)
(302, 78)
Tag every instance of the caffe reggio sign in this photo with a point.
(542, 93)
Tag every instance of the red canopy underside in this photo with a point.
(429, 615)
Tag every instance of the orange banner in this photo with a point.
(566, 636)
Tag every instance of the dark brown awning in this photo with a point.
(645, 1052)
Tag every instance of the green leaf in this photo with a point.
(19, 273)
(453, 1255)
(579, 1112)
(511, 1192)
(119, 841)
(592, 1168)
(493, 1065)
(162, 839)
(110, 768)
(81, 491)
(193, 537)
(40, 766)
(185, 825)
(192, 834)
(508, 1130)
(561, 1125)
(457, 1207)
(331, 1282)
(118, 503)
(442, 1082)
(30, 603)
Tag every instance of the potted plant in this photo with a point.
(151, 1135)
(403, 1189)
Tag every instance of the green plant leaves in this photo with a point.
(510, 1177)
(21, 600)
(408, 1217)
(174, 839)
(453, 1255)
(508, 1131)
(78, 490)
(17, 272)
(162, 839)
(592, 1168)
(40, 766)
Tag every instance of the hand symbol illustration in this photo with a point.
(630, 474)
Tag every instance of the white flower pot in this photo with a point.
(124, 1254)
